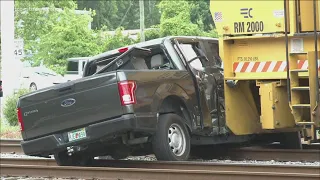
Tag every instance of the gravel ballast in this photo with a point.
(153, 158)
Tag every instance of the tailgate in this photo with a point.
(70, 105)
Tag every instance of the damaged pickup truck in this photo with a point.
(160, 96)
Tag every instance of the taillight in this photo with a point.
(127, 92)
(19, 113)
(122, 50)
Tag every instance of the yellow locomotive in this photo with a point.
(273, 65)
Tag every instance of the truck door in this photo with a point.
(214, 70)
(204, 71)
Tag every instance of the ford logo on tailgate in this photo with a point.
(68, 102)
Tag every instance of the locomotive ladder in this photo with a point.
(295, 90)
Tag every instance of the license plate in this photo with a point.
(77, 134)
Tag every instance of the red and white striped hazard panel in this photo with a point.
(267, 66)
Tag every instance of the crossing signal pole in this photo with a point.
(141, 5)
(8, 62)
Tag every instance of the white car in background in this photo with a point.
(34, 78)
(75, 68)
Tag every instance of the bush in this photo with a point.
(10, 106)
(152, 33)
(117, 40)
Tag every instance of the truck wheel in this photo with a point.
(62, 159)
(172, 140)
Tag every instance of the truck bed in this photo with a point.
(70, 105)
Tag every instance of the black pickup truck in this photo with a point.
(160, 96)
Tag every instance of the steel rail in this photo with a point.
(273, 154)
(144, 174)
(249, 153)
(182, 165)
(10, 141)
(11, 148)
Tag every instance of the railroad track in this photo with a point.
(186, 165)
(247, 153)
(10, 146)
(10, 141)
(143, 170)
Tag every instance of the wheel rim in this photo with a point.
(176, 139)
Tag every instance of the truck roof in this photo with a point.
(147, 43)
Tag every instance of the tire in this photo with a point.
(171, 125)
(62, 159)
(118, 154)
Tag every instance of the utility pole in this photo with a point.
(141, 5)
(8, 62)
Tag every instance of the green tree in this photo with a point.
(183, 17)
(52, 35)
(106, 12)
(152, 13)
(69, 37)
(176, 19)
(189, 18)
(117, 40)
(121, 13)
(31, 21)
(201, 15)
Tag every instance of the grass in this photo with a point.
(9, 132)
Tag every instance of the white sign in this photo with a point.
(297, 45)
(18, 48)
(278, 13)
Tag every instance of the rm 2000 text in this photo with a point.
(248, 27)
